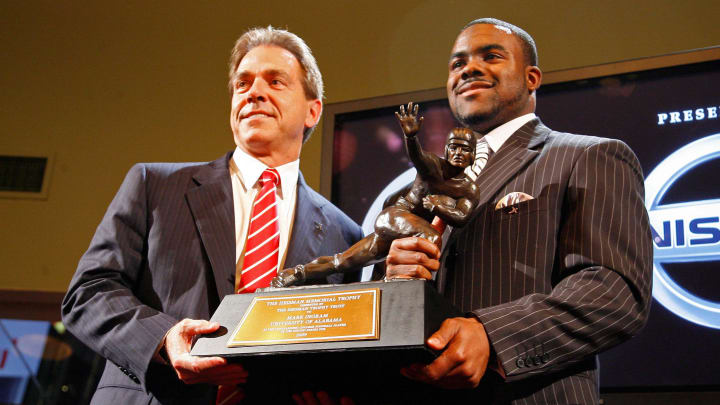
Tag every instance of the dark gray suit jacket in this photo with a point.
(165, 251)
(558, 278)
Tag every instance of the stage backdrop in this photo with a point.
(668, 110)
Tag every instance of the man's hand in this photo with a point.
(409, 121)
(412, 258)
(195, 370)
(464, 359)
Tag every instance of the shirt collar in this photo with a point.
(249, 169)
(497, 137)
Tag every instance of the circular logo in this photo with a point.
(683, 232)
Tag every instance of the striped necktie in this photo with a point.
(482, 154)
(263, 241)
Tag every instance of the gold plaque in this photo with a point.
(318, 317)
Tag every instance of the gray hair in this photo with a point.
(254, 37)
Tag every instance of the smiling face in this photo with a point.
(489, 82)
(269, 107)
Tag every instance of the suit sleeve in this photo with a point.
(602, 276)
(101, 307)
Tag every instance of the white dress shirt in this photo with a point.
(497, 137)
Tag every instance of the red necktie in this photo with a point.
(263, 241)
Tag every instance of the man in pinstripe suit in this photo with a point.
(556, 264)
(169, 245)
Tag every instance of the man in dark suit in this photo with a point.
(556, 265)
(170, 244)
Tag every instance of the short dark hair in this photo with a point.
(528, 43)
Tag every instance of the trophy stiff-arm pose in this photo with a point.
(441, 188)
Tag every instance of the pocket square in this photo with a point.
(512, 199)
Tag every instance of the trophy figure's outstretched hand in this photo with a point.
(409, 121)
(289, 277)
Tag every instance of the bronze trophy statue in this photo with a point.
(441, 189)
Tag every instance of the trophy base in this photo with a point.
(409, 312)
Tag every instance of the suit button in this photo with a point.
(520, 362)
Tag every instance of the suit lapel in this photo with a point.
(211, 203)
(515, 154)
(308, 227)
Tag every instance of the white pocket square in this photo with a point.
(512, 199)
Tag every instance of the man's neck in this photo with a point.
(273, 158)
(250, 169)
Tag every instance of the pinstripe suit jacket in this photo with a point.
(165, 251)
(562, 276)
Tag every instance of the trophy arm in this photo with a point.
(456, 213)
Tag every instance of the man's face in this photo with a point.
(269, 108)
(459, 152)
(489, 82)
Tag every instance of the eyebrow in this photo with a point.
(482, 49)
(275, 72)
(269, 72)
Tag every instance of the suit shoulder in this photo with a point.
(162, 173)
(160, 178)
(583, 143)
(579, 140)
(593, 146)
(162, 169)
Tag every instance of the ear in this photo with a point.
(314, 112)
(533, 77)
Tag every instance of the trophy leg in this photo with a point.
(368, 250)
(429, 233)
